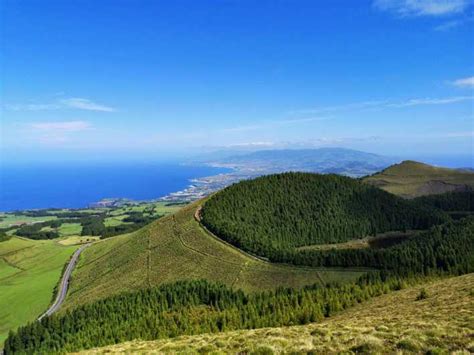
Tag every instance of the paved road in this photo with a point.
(63, 286)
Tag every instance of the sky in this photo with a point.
(88, 79)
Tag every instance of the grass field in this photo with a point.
(8, 219)
(177, 248)
(394, 323)
(29, 271)
(412, 179)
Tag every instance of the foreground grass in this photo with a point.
(29, 272)
(443, 322)
(177, 248)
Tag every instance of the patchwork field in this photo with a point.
(29, 272)
(177, 248)
(441, 323)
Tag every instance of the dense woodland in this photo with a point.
(198, 306)
(455, 201)
(448, 247)
(277, 213)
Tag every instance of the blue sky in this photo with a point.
(153, 79)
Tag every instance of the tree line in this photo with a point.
(277, 213)
(448, 247)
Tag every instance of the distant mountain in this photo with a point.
(323, 160)
(411, 179)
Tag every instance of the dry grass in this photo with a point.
(412, 179)
(177, 248)
(392, 323)
(77, 239)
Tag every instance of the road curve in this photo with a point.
(63, 286)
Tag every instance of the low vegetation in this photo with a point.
(29, 272)
(392, 323)
(412, 179)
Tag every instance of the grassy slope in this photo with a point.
(411, 179)
(176, 248)
(29, 271)
(391, 323)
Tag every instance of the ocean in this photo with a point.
(78, 185)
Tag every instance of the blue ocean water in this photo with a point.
(77, 185)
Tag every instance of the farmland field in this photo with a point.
(29, 272)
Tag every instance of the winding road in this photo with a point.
(63, 286)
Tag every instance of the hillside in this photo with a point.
(412, 179)
(390, 323)
(323, 160)
(278, 213)
(177, 248)
(29, 272)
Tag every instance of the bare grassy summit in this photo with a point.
(412, 179)
(440, 322)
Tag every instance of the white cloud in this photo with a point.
(466, 134)
(448, 25)
(431, 101)
(273, 124)
(252, 144)
(422, 7)
(66, 126)
(386, 104)
(86, 104)
(31, 107)
(56, 133)
(74, 102)
(465, 82)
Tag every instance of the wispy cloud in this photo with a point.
(31, 107)
(344, 107)
(422, 7)
(67, 103)
(465, 134)
(386, 104)
(465, 82)
(431, 101)
(86, 104)
(56, 133)
(273, 124)
(66, 126)
(448, 25)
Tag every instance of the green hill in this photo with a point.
(177, 248)
(392, 323)
(277, 213)
(412, 179)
